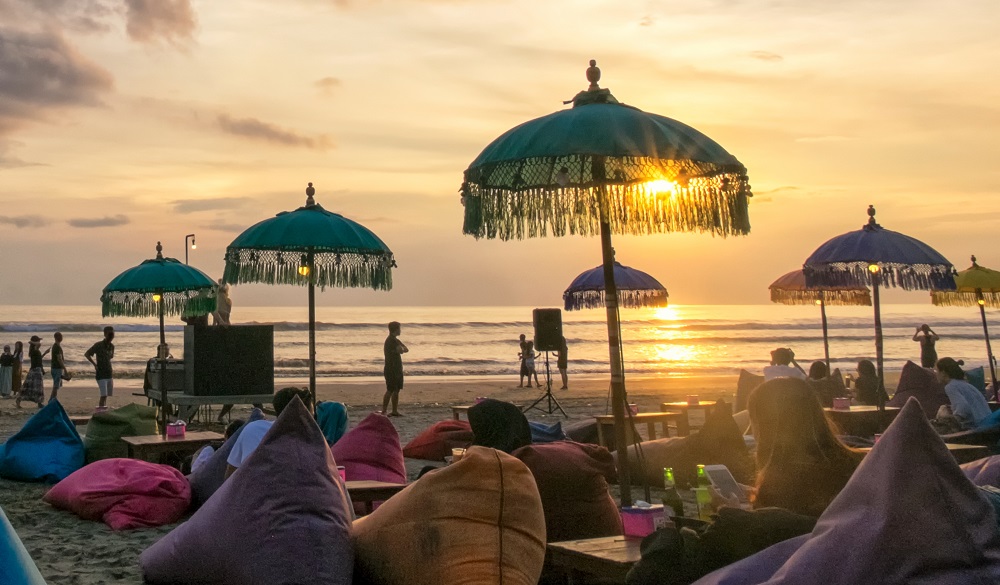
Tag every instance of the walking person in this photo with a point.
(562, 362)
(522, 355)
(57, 365)
(393, 349)
(927, 338)
(6, 371)
(17, 370)
(100, 355)
(33, 388)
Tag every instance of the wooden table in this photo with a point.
(606, 425)
(961, 453)
(368, 492)
(146, 446)
(458, 411)
(686, 407)
(861, 421)
(187, 404)
(80, 421)
(595, 560)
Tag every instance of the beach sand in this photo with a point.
(70, 550)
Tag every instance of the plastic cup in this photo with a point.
(343, 472)
(457, 454)
(634, 408)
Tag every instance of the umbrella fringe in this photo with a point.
(905, 276)
(628, 299)
(502, 204)
(134, 304)
(857, 297)
(964, 299)
(346, 269)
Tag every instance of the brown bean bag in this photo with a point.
(437, 441)
(746, 384)
(478, 521)
(572, 479)
(718, 442)
(922, 384)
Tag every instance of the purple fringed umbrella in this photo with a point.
(636, 289)
(878, 257)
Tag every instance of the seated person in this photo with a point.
(499, 425)
(801, 464)
(968, 406)
(780, 368)
(867, 388)
(253, 432)
(818, 371)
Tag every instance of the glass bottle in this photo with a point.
(672, 503)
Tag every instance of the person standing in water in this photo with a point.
(927, 338)
(101, 354)
(393, 350)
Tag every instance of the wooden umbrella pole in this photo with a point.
(989, 349)
(826, 340)
(312, 329)
(878, 343)
(617, 370)
(161, 358)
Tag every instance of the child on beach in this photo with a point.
(529, 362)
(523, 351)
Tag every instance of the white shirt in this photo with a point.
(967, 403)
(772, 372)
(251, 435)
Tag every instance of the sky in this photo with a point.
(127, 122)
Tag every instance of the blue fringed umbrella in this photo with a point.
(308, 247)
(160, 286)
(878, 257)
(602, 167)
(636, 289)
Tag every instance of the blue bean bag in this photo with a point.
(16, 566)
(976, 377)
(543, 433)
(332, 419)
(46, 449)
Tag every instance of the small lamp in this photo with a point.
(157, 297)
(303, 266)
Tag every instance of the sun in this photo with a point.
(661, 187)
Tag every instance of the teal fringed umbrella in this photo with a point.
(160, 286)
(602, 167)
(308, 247)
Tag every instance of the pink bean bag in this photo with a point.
(984, 471)
(572, 479)
(371, 451)
(124, 493)
(439, 439)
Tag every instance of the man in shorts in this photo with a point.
(393, 351)
(101, 354)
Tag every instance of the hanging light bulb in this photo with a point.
(873, 268)
(157, 297)
(303, 266)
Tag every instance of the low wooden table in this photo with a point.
(606, 425)
(861, 421)
(144, 447)
(961, 453)
(458, 411)
(595, 560)
(368, 492)
(686, 407)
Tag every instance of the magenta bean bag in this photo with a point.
(908, 515)
(281, 519)
(371, 451)
(124, 493)
(572, 479)
(984, 471)
(437, 441)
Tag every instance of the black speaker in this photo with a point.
(548, 329)
(227, 361)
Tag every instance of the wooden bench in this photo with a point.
(606, 425)
(368, 492)
(594, 560)
(458, 411)
(148, 447)
(861, 421)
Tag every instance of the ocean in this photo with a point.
(681, 340)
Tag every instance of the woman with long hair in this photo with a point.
(16, 368)
(801, 464)
(867, 386)
(33, 388)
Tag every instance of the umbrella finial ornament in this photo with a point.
(309, 195)
(593, 75)
(871, 219)
(974, 260)
(159, 251)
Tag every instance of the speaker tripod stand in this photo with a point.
(551, 402)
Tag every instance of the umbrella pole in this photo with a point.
(878, 343)
(989, 349)
(312, 331)
(617, 373)
(161, 357)
(826, 340)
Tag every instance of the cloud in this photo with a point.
(211, 204)
(41, 73)
(327, 85)
(766, 56)
(257, 130)
(647, 21)
(149, 21)
(24, 221)
(99, 222)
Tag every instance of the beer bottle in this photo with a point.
(702, 495)
(672, 503)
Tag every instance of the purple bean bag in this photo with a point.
(984, 471)
(922, 384)
(371, 451)
(908, 515)
(283, 518)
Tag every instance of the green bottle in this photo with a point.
(672, 503)
(703, 480)
(702, 495)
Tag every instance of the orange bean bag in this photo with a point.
(437, 441)
(478, 521)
